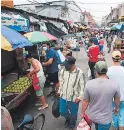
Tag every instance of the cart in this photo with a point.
(12, 100)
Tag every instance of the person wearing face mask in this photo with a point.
(52, 64)
(70, 91)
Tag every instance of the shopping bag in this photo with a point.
(83, 125)
(55, 108)
(35, 82)
(86, 118)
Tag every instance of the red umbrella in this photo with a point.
(49, 36)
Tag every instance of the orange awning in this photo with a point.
(7, 3)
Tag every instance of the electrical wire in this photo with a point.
(99, 3)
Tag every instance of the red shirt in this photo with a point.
(101, 42)
(122, 56)
(93, 53)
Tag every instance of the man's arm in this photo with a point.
(84, 106)
(85, 100)
(117, 101)
(51, 57)
(35, 70)
(61, 80)
(49, 62)
(81, 85)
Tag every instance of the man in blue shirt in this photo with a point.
(95, 40)
(52, 63)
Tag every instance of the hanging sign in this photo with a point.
(17, 24)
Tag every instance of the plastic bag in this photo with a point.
(83, 125)
(35, 82)
(55, 108)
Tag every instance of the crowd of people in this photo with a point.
(102, 97)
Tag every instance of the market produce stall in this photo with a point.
(12, 95)
(15, 86)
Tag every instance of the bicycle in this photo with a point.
(32, 123)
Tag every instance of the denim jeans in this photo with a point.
(101, 48)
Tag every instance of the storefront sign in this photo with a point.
(18, 24)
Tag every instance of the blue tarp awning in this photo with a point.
(119, 27)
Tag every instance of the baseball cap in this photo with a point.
(70, 60)
(116, 55)
(101, 67)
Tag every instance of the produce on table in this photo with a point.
(19, 86)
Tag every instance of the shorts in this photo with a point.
(118, 120)
(40, 92)
(121, 114)
(53, 77)
(102, 126)
(109, 45)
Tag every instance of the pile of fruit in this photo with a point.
(19, 86)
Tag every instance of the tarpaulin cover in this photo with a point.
(52, 29)
(8, 61)
(119, 26)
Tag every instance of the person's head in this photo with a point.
(70, 63)
(56, 47)
(91, 41)
(65, 48)
(94, 35)
(46, 46)
(28, 57)
(116, 56)
(101, 68)
(100, 37)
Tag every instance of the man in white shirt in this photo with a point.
(116, 73)
(70, 91)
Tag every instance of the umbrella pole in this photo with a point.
(38, 52)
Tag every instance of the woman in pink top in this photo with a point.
(101, 45)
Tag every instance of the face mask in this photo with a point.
(45, 48)
(67, 68)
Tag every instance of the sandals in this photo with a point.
(43, 107)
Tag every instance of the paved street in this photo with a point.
(52, 123)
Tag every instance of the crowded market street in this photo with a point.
(58, 123)
(62, 65)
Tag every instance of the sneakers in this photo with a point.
(43, 107)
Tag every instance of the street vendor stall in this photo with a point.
(16, 87)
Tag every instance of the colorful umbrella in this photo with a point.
(36, 37)
(11, 39)
(49, 36)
